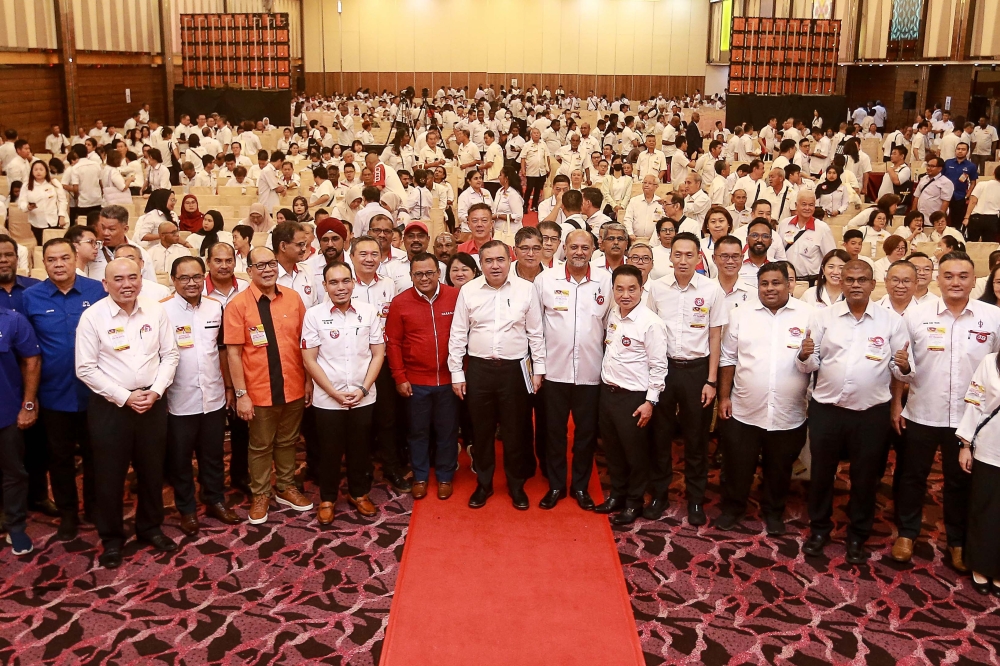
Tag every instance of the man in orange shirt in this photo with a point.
(263, 329)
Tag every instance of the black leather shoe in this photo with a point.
(519, 499)
(609, 505)
(160, 542)
(696, 514)
(774, 526)
(67, 528)
(626, 517)
(479, 497)
(995, 590)
(814, 546)
(111, 558)
(856, 553)
(46, 507)
(982, 588)
(726, 522)
(655, 508)
(398, 482)
(551, 499)
(584, 499)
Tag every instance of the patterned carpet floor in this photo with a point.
(291, 592)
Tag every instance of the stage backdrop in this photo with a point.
(236, 105)
(757, 109)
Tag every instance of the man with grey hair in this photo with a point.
(112, 231)
(696, 202)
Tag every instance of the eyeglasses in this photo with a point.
(188, 279)
(729, 257)
(424, 275)
(640, 259)
(93, 241)
(756, 236)
(861, 281)
(900, 281)
(925, 271)
(550, 239)
(261, 265)
(381, 232)
(620, 239)
(529, 248)
(667, 231)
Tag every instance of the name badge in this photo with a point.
(562, 300)
(118, 339)
(935, 338)
(184, 337)
(257, 336)
(975, 394)
(795, 337)
(699, 316)
(876, 348)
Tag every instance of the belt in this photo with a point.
(613, 388)
(495, 362)
(688, 363)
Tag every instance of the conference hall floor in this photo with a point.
(288, 592)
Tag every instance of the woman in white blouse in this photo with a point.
(399, 154)
(912, 228)
(876, 231)
(212, 231)
(508, 204)
(473, 193)
(979, 435)
(285, 142)
(832, 194)
(114, 186)
(895, 250)
(44, 200)
(828, 289)
(617, 187)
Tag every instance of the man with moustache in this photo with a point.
(759, 237)
(333, 237)
(415, 239)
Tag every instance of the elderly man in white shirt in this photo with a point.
(651, 161)
(643, 211)
(696, 202)
(762, 397)
(806, 240)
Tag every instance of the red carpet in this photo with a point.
(507, 587)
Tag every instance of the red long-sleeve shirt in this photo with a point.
(417, 333)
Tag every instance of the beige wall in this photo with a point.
(986, 39)
(604, 37)
(28, 24)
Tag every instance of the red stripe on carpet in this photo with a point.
(507, 587)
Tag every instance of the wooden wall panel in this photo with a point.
(102, 93)
(37, 104)
(424, 80)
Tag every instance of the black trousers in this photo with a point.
(344, 433)
(120, 437)
(626, 445)
(956, 212)
(865, 436)
(239, 445)
(982, 549)
(915, 460)
(681, 397)
(561, 400)
(535, 185)
(15, 478)
(536, 432)
(36, 462)
(204, 435)
(65, 431)
(308, 430)
(496, 395)
(742, 445)
(983, 228)
(389, 410)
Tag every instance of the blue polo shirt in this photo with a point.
(54, 317)
(955, 170)
(17, 341)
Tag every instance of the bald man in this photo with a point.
(806, 240)
(163, 254)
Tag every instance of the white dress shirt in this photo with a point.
(503, 323)
(696, 206)
(217, 295)
(535, 159)
(378, 293)
(163, 257)
(854, 359)
(117, 353)
(641, 216)
(344, 340)
(87, 175)
(635, 352)
(508, 202)
(573, 315)
(688, 313)
(301, 280)
(742, 294)
(768, 391)
(945, 353)
(805, 254)
(50, 203)
(198, 386)
(981, 400)
(269, 179)
(650, 163)
(466, 200)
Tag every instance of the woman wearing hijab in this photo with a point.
(391, 202)
(831, 194)
(300, 206)
(191, 217)
(212, 231)
(258, 219)
(348, 208)
(159, 209)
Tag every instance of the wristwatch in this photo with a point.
(240, 393)
(28, 406)
(364, 391)
(711, 383)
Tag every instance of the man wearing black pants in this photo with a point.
(950, 337)
(767, 411)
(126, 355)
(632, 373)
(498, 325)
(574, 301)
(694, 311)
(534, 169)
(855, 348)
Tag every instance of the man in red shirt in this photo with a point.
(480, 221)
(417, 331)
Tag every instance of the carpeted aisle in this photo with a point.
(507, 587)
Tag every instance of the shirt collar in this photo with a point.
(841, 308)
(810, 225)
(942, 308)
(437, 292)
(569, 278)
(117, 309)
(350, 308)
(256, 293)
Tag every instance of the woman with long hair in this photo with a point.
(44, 200)
(508, 204)
(115, 187)
(159, 209)
(473, 193)
(827, 290)
(992, 287)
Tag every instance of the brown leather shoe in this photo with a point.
(292, 498)
(444, 490)
(189, 523)
(363, 505)
(419, 489)
(956, 558)
(902, 550)
(258, 509)
(325, 513)
(222, 513)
